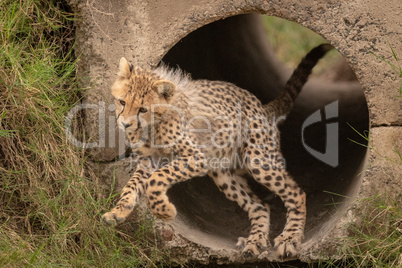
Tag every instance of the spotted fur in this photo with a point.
(166, 114)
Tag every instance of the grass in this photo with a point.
(291, 42)
(374, 236)
(375, 240)
(365, 135)
(50, 199)
(49, 203)
(394, 66)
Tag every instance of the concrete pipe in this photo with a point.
(225, 41)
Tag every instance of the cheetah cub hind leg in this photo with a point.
(287, 246)
(236, 189)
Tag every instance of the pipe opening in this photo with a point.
(237, 50)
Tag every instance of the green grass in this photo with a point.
(375, 240)
(291, 42)
(50, 205)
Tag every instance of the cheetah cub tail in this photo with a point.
(284, 102)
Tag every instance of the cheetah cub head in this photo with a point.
(140, 97)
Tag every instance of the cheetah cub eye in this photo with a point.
(143, 110)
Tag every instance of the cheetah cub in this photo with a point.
(166, 114)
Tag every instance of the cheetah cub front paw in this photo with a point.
(251, 246)
(110, 219)
(116, 215)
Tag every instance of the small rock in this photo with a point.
(167, 235)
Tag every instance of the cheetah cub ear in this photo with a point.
(124, 68)
(164, 88)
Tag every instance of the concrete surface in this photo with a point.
(205, 39)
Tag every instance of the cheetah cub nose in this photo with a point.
(125, 125)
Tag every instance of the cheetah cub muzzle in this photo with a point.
(167, 115)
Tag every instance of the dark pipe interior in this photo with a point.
(236, 50)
